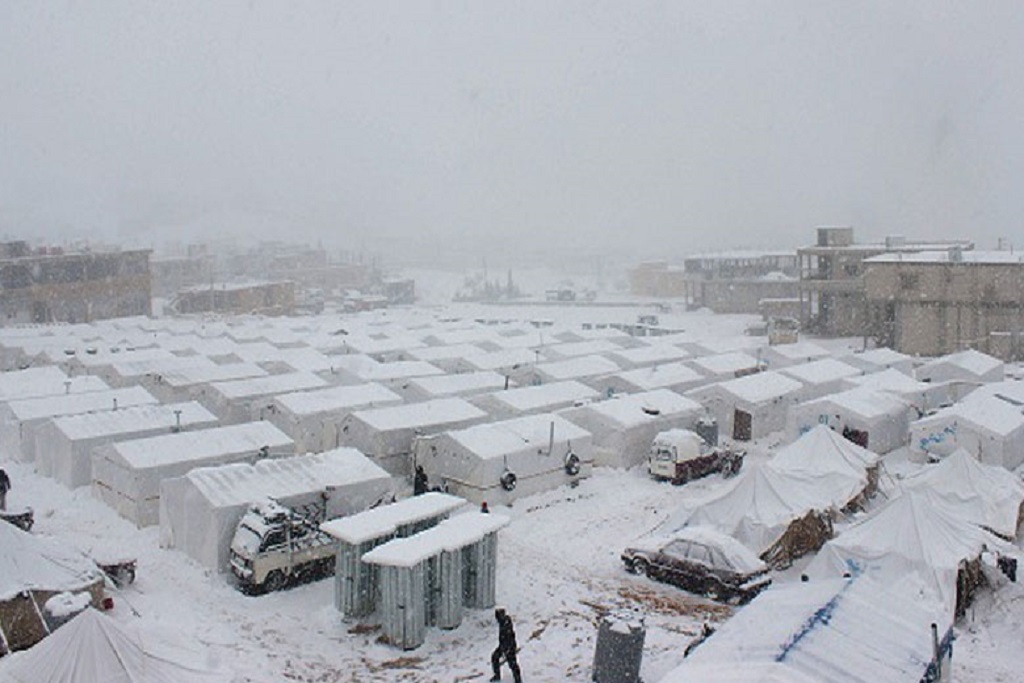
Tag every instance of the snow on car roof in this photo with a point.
(450, 535)
(201, 444)
(437, 411)
(340, 397)
(496, 439)
(738, 555)
(385, 520)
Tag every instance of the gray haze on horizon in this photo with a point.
(639, 128)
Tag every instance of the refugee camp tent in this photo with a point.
(386, 434)
(785, 355)
(678, 376)
(541, 398)
(579, 368)
(969, 367)
(20, 419)
(64, 445)
(311, 418)
(129, 373)
(923, 397)
(394, 373)
(648, 355)
(200, 510)
(820, 377)
(750, 407)
(34, 569)
(127, 475)
(451, 359)
(854, 630)
(48, 380)
(514, 362)
(876, 420)
(193, 383)
(831, 462)
(242, 400)
(988, 428)
(991, 497)
(589, 347)
(916, 543)
(623, 427)
(725, 366)
(463, 384)
(499, 462)
(92, 647)
(879, 359)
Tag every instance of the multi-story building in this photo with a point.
(832, 290)
(938, 302)
(265, 298)
(49, 285)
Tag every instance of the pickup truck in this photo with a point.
(275, 546)
(680, 455)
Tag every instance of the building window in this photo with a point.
(909, 281)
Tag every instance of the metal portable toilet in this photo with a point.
(403, 605)
(479, 569)
(620, 648)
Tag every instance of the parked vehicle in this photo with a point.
(702, 561)
(275, 546)
(679, 455)
(23, 518)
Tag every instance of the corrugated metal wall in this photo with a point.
(448, 593)
(479, 570)
(403, 605)
(355, 583)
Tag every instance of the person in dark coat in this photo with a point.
(5, 486)
(419, 481)
(506, 647)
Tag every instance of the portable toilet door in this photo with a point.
(448, 595)
(479, 570)
(403, 605)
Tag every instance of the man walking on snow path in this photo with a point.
(506, 647)
(5, 486)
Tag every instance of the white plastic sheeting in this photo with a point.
(765, 396)
(200, 511)
(988, 428)
(541, 398)
(312, 418)
(92, 648)
(127, 475)
(883, 418)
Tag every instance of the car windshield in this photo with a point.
(246, 539)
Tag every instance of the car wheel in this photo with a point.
(641, 567)
(275, 581)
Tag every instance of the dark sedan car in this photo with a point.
(702, 561)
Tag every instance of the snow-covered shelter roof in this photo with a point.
(269, 385)
(385, 520)
(340, 397)
(972, 361)
(988, 413)
(986, 495)
(401, 369)
(801, 351)
(725, 363)
(450, 535)
(889, 380)
(882, 356)
(821, 371)
(29, 562)
(424, 414)
(820, 452)
(761, 387)
(632, 409)
(461, 383)
(455, 351)
(496, 439)
(664, 375)
(157, 366)
(132, 419)
(69, 404)
(505, 358)
(866, 403)
(201, 444)
(855, 630)
(48, 380)
(544, 395)
(650, 353)
(580, 366)
(304, 359)
(187, 376)
(241, 483)
(579, 348)
(93, 647)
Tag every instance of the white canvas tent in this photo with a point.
(785, 355)
(820, 377)
(64, 445)
(657, 353)
(386, 434)
(725, 366)
(541, 398)
(750, 407)
(536, 449)
(678, 376)
(988, 428)
(463, 384)
(879, 359)
(127, 475)
(624, 427)
(20, 419)
(988, 496)
(192, 383)
(312, 418)
(921, 396)
(93, 648)
(874, 419)
(578, 368)
(969, 367)
(839, 470)
(243, 400)
(200, 510)
(48, 380)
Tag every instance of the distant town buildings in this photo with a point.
(264, 298)
(48, 285)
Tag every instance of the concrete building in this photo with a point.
(938, 302)
(49, 285)
(266, 298)
(832, 288)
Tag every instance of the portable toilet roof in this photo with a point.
(450, 535)
(385, 520)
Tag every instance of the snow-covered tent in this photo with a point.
(879, 359)
(394, 373)
(779, 515)
(784, 355)
(312, 418)
(127, 475)
(463, 384)
(923, 397)
(200, 510)
(579, 368)
(970, 368)
(192, 383)
(242, 400)
(726, 366)
(854, 630)
(541, 398)
(64, 445)
(34, 569)
(916, 543)
(451, 359)
(833, 463)
(129, 373)
(515, 362)
(648, 355)
(991, 497)
(624, 427)
(874, 419)
(677, 376)
(988, 428)
(386, 434)
(541, 452)
(20, 419)
(820, 377)
(48, 380)
(752, 406)
(92, 647)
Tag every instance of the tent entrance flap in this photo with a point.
(742, 425)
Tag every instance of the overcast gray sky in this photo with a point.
(647, 127)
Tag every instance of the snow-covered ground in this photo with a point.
(559, 571)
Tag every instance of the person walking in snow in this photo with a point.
(5, 486)
(506, 647)
(419, 482)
